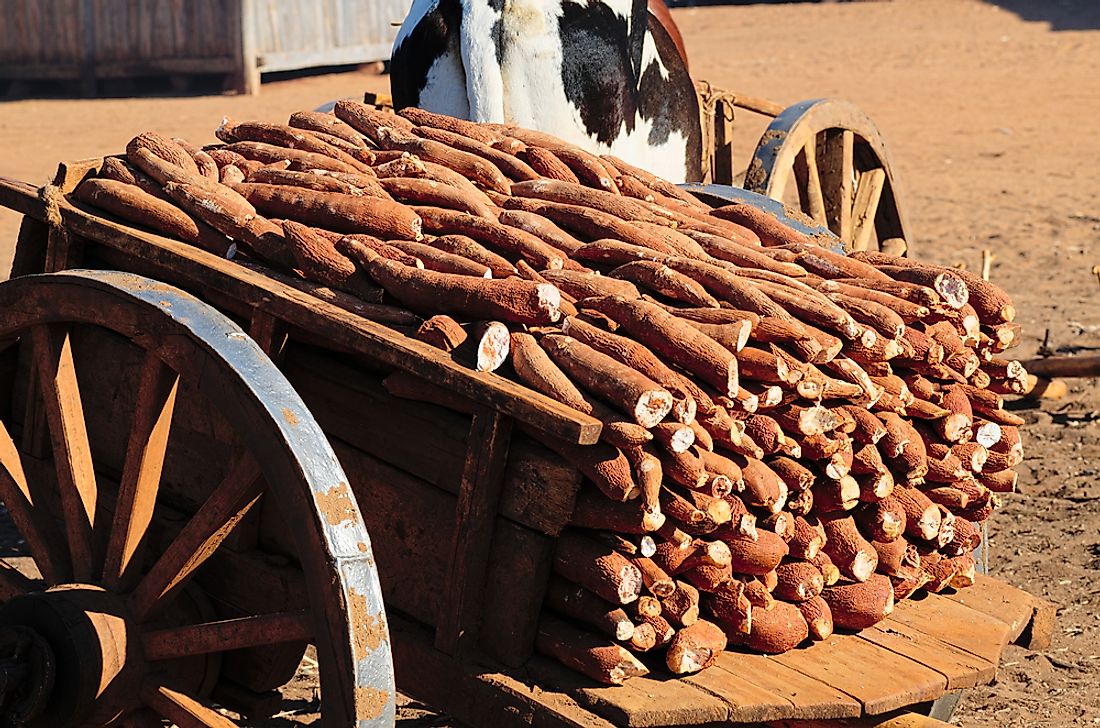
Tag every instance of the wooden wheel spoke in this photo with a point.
(229, 634)
(13, 583)
(181, 709)
(865, 206)
(198, 540)
(71, 451)
(141, 471)
(808, 177)
(32, 522)
(836, 162)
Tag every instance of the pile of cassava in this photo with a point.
(792, 438)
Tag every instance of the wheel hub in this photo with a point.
(26, 674)
(68, 655)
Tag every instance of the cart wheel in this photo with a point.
(115, 616)
(840, 169)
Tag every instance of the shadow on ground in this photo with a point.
(1060, 14)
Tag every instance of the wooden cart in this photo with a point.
(193, 451)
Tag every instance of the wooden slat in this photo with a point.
(486, 699)
(199, 269)
(809, 697)
(960, 668)
(747, 701)
(1008, 604)
(520, 562)
(475, 515)
(956, 624)
(642, 702)
(879, 679)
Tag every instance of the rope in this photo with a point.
(714, 104)
(52, 198)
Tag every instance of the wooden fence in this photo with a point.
(99, 39)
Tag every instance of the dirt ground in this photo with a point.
(989, 109)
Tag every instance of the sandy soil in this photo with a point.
(988, 108)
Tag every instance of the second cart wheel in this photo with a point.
(145, 441)
(836, 160)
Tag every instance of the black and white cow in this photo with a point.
(602, 74)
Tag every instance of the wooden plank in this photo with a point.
(960, 668)
(475, 516)
(642, 702)
(195, 268)
(247, 75)
(879, 679)
(956, 624)
(269, 333)
(1006, 603)
(809, 697)
(136, 68)
(519, 568)
(425, 439)
(747, 701)
(61, 250)
(410, 523)
(484, 698)
(30, 247)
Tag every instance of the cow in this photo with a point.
(605, 75)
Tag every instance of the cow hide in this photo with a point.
(602, 74)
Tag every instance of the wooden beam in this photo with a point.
(1064, 366)
(478, 500)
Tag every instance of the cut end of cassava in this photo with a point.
(863, 565)
(720, 486)
(695, 647)
(493, 347)
(624, 628)
(818, 617)
(549, 300)
(628, 668)
(956, 427)
(653, 520)
(952, 289)
(868, 337)
(817, 421)
(652, 407)
(677, 438)
(629, 584)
